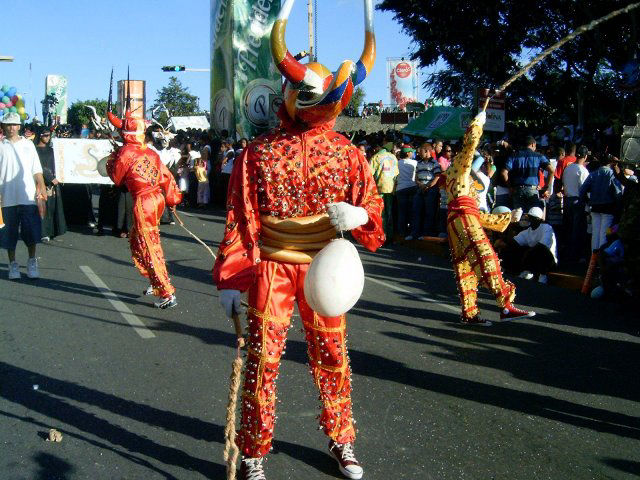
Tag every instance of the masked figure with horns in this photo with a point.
(152, 186)
(289, 192)
(474, 260)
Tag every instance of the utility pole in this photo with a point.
(312, 50)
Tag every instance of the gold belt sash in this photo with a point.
(294, 240)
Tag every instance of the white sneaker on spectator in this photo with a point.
(543, 279)
(45, 239)
(408, 238)
(527, 275)
(32, 268)
(14, 271)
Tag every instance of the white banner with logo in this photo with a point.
(198, 122)
(77, 159)
(403, 81)
(495, 109)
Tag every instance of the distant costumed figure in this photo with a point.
(290, 191)
(474, 260)
(152, 186)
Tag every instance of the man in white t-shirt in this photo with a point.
(574, 215)
(533, 251)
(228, 156)
(21, 184)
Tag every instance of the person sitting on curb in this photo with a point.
(533, 251)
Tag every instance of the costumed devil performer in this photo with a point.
(152, 186)
(474, 260)
(289, 192)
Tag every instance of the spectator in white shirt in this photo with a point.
(574, 214)
(21, 187)
(406, 187)
(533, 251)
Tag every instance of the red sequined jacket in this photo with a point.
(142, 171)
(292, 173)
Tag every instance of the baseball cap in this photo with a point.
(11, 118)
(536, 212)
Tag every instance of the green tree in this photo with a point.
(177, 99)
(481, 44)
(78, 114)
(357, 99)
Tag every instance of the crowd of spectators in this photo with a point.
(577, 201)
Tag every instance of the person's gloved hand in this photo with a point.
(346, 217)
(516, 215)
(481, 118)
(231, 301)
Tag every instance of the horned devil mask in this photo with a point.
(312, 93)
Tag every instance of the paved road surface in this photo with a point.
(554, 397)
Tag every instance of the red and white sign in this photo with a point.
(403, 70)
(403, 81)
(495, 109)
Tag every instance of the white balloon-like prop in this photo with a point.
(335, 279)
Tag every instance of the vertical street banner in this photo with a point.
(495, 109)
(245, 84)
(402, 81)
(56, 86)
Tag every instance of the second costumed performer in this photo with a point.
(152, 186)
(289, 192)
(474, 260)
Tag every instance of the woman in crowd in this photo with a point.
(54, 223)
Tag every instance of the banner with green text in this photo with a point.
(245, 83)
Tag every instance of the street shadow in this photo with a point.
(51, 467)
(49, 400)
(627, 466)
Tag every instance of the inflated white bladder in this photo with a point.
(335, 279)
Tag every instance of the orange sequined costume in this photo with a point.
(474, 260)
(152, 186)
(283, 179)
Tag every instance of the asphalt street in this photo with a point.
(139, 393)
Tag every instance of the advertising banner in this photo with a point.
(495, 109)
(77, 159)
(445, 123)
(56, 85)
(403, 81)
(245, 84)
(183, 123)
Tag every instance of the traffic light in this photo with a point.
(173, 68)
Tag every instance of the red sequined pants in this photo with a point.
(475, 261)
(271, 306)
(144, 240)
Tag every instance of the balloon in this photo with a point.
(20, 110)
(19, 103)
(335, 279)
(5, 87)
(24, 116)
(9, 104)
(13, 109)
(12, 91)
(5, 99)
(2, 105)
(14, 99)
(19, 96)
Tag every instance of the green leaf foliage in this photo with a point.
(177, 99)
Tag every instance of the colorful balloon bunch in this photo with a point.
(12, 101)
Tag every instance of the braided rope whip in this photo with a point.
(231, 451)
(545, 53)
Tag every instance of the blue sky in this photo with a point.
(83, 40)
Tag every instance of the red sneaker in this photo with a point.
(476, 321)
(347, 463)
(509, 312)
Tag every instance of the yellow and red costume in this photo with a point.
(153, 187)
(474, 260)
